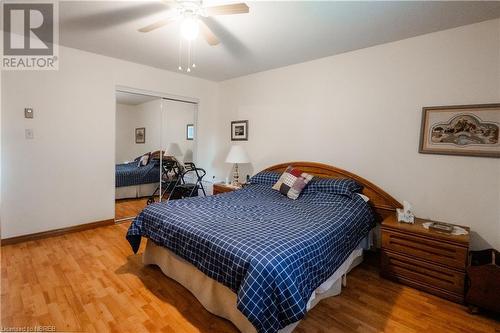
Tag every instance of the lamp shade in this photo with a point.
(173, 149)
(237, 155)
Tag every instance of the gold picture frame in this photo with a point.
(466, 130)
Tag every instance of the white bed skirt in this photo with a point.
(135, 191)
(220, 300)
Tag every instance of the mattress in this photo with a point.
(135, 191)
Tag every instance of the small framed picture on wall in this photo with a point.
(189, 132)
(239, 130)
(140, 135)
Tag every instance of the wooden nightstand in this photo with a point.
(426, 260)
(223, 188)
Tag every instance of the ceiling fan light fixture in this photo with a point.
(190, 28)
(191, 14)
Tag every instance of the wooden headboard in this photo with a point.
(382, 203)
(155, 155)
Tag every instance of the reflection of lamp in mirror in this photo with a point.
(188, 156)
(174, 152)
(237, 155)
(173, 149)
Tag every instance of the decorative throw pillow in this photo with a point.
(144, 160)
(292, 182)
(265, 178)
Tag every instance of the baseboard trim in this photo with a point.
(56, 232)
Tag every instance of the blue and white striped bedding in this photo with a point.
(273, 252)
(128, 174)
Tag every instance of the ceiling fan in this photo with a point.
(190, 12)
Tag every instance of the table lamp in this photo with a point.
(173, 149)
(237, 155)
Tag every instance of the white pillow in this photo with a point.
(365, 198)
(143, 160)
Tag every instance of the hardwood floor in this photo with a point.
(90, 281)
(129, 207)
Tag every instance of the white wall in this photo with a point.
(130, 117)
(65, 176)
(361, 111)
(176, 116)
(332, 110)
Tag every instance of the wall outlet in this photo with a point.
(29, 134)
(28, 113)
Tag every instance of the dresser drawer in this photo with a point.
(422, 275)
(431, 250)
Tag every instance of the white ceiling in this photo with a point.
(273, 34)
(133, 99)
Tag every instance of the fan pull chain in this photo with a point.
(189, 57)
(180, 54)
(190, 50)
(193, 64)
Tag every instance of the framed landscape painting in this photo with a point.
(467, 130)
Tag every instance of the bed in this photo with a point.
(254, 256)
(133, 181)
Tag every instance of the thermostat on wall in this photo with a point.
(28, 112)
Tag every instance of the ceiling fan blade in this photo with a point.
(208, 34)
(157, 24)
(237, 8)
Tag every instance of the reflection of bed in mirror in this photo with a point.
(133, 180)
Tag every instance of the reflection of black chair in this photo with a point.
(183, 189)
(170, 174)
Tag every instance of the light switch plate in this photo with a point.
(28, 133)
(28, 113)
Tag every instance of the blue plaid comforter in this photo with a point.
(273, 252)
(128, 174)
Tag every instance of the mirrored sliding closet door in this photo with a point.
(179, 141)
(137, 153)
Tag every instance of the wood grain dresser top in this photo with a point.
(391, 223)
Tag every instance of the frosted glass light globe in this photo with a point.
(190, 28)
